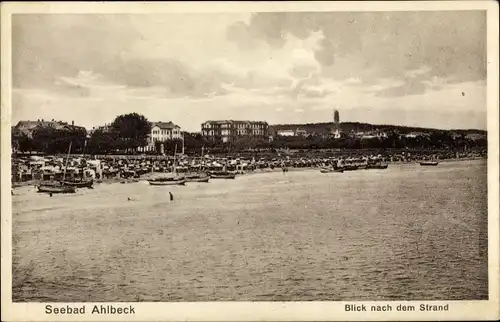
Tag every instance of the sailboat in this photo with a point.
(200, 176)
(169, 181)
(58, 187)
(79, 183)
(224, 174)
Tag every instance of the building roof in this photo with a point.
(33, 124)
(165, 125)
(235, 121)
(30, 125)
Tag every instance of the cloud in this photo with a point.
(450, 43)
(47, 53)
(410, 87)
(183, 68)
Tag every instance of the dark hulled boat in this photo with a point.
(377, 166)
(167, 181)
(222, 175)
(176, 180)
(197, 177)
(350, 167)
(429, 163)
(331, 170)
(58, 187)
(55, 188)
(78, 183)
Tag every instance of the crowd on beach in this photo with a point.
(111, 167)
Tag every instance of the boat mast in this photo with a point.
(83, 158)
(202, 159)
(67, 160)
(175, 153)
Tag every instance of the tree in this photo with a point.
(52, 140)
(132, 129)
(103, 142)
(194, 142)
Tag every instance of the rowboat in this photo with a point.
(53, 188)
(429, 163)
(197, 178)
(167, 182)
(79, 184)
(201, 179)
(377, 166)
(330, 170)
(222, 175)
(350, 167)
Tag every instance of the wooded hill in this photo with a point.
(324, 128)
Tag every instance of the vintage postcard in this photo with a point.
(250, 161)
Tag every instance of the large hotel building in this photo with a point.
(228, 130)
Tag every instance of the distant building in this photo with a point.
(28, 127)
(285, 133)
(163, 131)
(336, 117)
(416, 134)
(475, 136)
(228, 130)
(336, 125)
(301, 132)
(296, 132)
(104, 128)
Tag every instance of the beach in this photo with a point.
(406, 233)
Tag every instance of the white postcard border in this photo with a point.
(253, 311)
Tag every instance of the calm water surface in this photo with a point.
(407, 233)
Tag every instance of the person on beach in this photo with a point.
(171, 196)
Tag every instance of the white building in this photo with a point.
(160, 132)
(286, 133)
(296, 132)
(163, 131)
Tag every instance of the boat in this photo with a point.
(79, 183)
(198, 177)
(58, 187)
(330, 170)
(429, 163)
(168, 182)
(350, 167)
(175, 180)
(377, 166)
(52, 188)
(222, 175)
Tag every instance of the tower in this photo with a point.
(336, 124)
(336, 119)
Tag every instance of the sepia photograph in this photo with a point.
(249, 155)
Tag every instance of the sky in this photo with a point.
(404, 68)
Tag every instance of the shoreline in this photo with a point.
(148, 176)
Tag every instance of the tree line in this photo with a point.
(128, 132)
